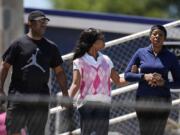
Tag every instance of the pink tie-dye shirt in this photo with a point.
(2, 124)
(95, 77)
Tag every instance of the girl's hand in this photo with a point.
(134, 69)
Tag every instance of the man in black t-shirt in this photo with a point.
(31, 58)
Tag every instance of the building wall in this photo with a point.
(65, 26)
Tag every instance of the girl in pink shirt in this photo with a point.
(92, 72)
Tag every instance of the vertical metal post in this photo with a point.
(11, 24)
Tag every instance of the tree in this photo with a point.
(149, 8)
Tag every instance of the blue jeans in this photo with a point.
(94, 119)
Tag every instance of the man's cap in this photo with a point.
(37, 15)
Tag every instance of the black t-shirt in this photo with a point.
(31, 61)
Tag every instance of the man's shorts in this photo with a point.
(33, 117)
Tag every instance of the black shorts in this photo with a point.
(33, 117)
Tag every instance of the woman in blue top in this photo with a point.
(153, 93)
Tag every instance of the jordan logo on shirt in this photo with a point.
(33, 62)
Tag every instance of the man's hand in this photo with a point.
(64, 101)
(2, 101)
(2, 96)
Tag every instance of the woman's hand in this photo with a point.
(158, 79)
(154, 79)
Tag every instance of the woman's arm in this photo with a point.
(153, 79)
(133, 76)
(175, 71)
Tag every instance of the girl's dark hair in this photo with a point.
(87, 38)
(160, 27)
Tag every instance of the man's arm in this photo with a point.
(62, 80)
(4, 68)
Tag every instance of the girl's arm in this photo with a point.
(75, 83)
(120, 81)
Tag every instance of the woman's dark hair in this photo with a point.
(160, 27)
(87, 38)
